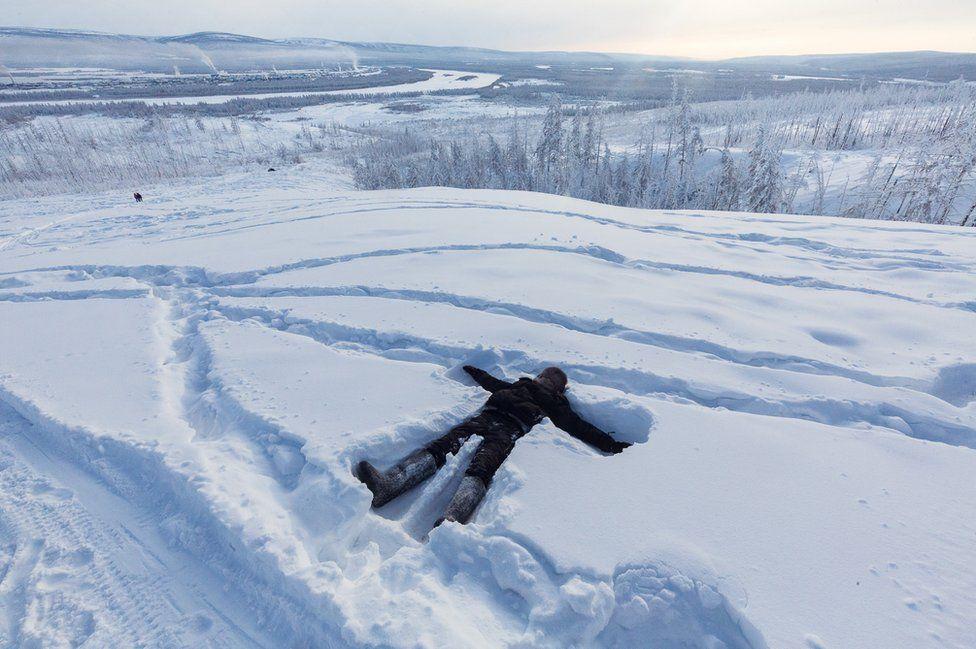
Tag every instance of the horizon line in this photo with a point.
(490, 49)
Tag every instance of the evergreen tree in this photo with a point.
(496, 164)
(548, 150)
(591, 141)
(574, 142)
(728, 193)
(516, 161)
(765, 176)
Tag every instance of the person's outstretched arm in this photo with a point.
(485, 380)
(562, 415)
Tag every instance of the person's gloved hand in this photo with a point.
(617, 446)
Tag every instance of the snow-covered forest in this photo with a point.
(48, 155)
(772, 155)
(895, 151)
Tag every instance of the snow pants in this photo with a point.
(498, 433)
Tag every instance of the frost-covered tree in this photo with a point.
(495, 166)
(765, 176)
(591, 140)
(548, 151)
(728, 192)
(574, 141)
(517, 161)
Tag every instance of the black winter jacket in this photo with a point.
(529, 402)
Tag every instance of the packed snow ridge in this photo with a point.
(186, 383)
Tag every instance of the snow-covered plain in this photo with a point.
(186, 383)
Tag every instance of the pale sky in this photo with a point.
(695, 28)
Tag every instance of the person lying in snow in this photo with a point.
(510, 412)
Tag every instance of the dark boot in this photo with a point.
(467, 497)
(408, 472)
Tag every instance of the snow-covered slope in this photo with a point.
(187, 382)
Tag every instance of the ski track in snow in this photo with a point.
(141, 543)
(83, 567)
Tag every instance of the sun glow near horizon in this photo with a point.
(713, 29)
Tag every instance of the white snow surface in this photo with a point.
(186, 384)
(440, 80)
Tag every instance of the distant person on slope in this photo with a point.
(510, 412)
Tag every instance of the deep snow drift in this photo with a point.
(186, 383)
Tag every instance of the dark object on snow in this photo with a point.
(469, 493)
(409, 472)
(271, 169)
(510, 413)
(137, 196)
